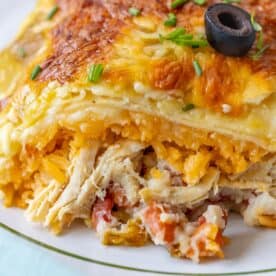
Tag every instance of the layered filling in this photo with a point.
(130, 195)
(132, 175)
(125, 154)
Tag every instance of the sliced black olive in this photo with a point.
(229, 29)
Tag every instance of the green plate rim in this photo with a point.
(136, 269)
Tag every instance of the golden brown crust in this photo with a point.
(87, 34)
(171, 74)
(90, 28)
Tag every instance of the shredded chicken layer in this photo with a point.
(130, 196)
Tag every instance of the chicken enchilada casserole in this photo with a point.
(146, 120)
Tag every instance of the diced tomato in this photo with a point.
(152, 220)
(201, 220)
(102, 211)
(220, 239)
(205, 234)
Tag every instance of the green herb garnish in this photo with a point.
(36, 71)
(180, 37)
(178, 3)
(95, 72)
(52, 12)
(188, 107)
(134, 11)
(257, 55)
(200, 2)
(176, 34)
(171, 21)
(22, 52)
(231, 1)
(260, 41)
(197, 68)
(257, 27)
(261, 48)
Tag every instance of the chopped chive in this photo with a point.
(95, 72)
(22, 52)
(180, 37)
(36, 71)
(260, 41)
(197, 68)
(259, 53)
(188, 107)
(231, 1)
(257, 27)
(177, 32)
(171, 21)
(134, 11)
(200, 2)
(178, 3)
(192, 43)
(52, 12)
(261, 48)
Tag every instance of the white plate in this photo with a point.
(251, 250)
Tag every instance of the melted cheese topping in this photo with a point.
(142, 75)
(67, 144)
(141, 94)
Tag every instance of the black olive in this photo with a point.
(229, 29)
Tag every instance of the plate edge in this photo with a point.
(107, 264)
